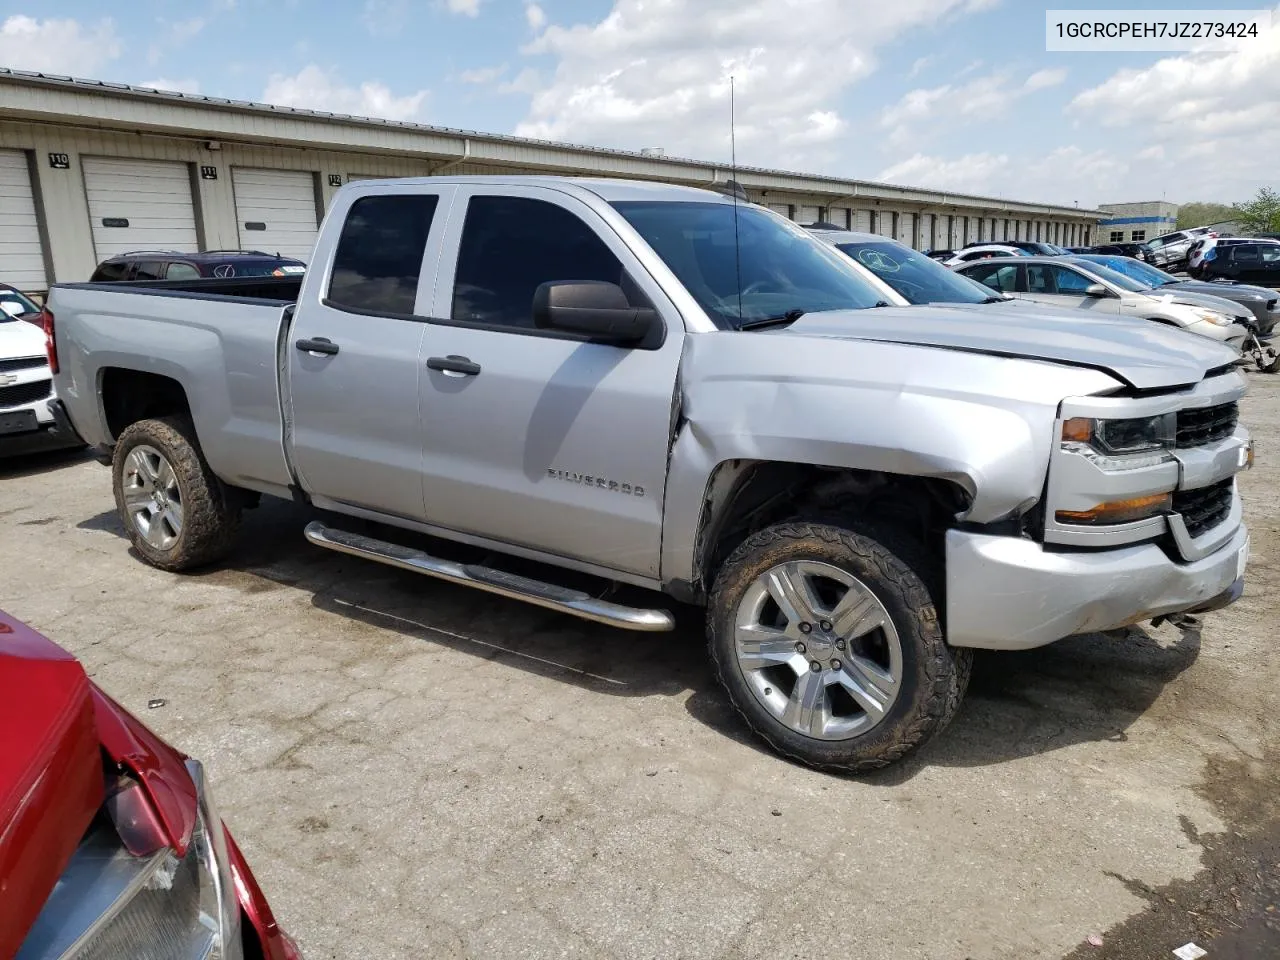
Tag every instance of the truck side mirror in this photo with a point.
(593, 308)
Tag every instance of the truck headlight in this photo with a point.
(1128, 444)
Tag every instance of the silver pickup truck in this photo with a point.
(661, 387)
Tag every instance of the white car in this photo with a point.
(984, 251)
(1072, 283)
(26, 385)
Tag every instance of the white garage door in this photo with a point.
(782, 208)
(906, 228)
(21, 259)
(810, 214)
(139, 205)
(862, 220)
(926, 232)
(276, 211)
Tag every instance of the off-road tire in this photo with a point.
(935, 675)
(211, 511)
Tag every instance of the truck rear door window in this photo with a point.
(379, 255)
(511, 245)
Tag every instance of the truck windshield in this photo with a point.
(775, 269)
(915, 276)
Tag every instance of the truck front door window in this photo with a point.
(379, 254)
(511, 245)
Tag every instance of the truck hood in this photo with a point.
(1142, 354)
(20, 339)
(51, 780)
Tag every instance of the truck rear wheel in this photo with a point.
(177, 514)
(829, 646)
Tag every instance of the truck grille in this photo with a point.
(1205, 508)
(25, 393)
(23, 363)
(1203, 425)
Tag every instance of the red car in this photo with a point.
(109, 846)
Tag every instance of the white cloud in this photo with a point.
(174, 86)
(468, 8)
(1221, 108)
(656, 72)
(317, 89)
(57, 46)
(535, 16)
(176, 33)
(385, 18)
(483, 75)
(1045, 78)
(1065, 175)
(918, 67)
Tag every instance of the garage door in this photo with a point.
(810, 214)
(782, 208)
(862, 220)
(906, 229)
(139, 205)
(276, 211)
(21, 259)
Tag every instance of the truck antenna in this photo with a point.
(733, 163)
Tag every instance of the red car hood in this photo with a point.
(51, 781)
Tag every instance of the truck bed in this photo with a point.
(219, 340)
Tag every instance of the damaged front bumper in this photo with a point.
(1005, 593)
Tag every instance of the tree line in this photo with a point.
(1259, 215)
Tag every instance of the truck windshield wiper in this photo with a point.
(791, 316)
(996, 300)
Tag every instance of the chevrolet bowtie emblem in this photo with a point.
(6, 379)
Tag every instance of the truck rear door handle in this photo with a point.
(318, 345)
(453, 366)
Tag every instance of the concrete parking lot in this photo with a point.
(417, 770)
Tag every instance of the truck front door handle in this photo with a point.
(318, 345)
(453, 366)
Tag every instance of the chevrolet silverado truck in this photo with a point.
(667, 388)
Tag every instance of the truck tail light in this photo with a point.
(50, 344)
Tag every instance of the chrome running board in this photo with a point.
(548, 595)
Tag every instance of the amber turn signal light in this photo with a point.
(1119, 511)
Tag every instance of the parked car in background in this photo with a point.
(1208, 248)
(26, 383)
(655, 385)
(15, 303)
(1170, 250)
(984, 252)
(110, 845)
(1091, 287)
(1036, 248)
(910, 277)
(1138, 251)
(940, 255)
(1257, 263)
(1262, 302)
(172, 265)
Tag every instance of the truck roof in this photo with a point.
(606, 188)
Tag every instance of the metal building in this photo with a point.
(89, 169)
(1136, 222)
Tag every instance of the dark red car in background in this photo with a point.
(109, 844)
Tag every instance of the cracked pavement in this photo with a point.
(416, 769)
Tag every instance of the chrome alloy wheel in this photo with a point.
(152, 496)
(818, 650)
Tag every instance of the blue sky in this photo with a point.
(952, 94)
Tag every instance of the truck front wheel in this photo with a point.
(176, 512)
(828, 643)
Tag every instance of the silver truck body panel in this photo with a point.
(221, 350)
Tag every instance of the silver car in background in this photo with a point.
(1074, 283)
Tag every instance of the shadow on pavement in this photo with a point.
(1083, 689)
(29, 456)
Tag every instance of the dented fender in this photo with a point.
(983, 422)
